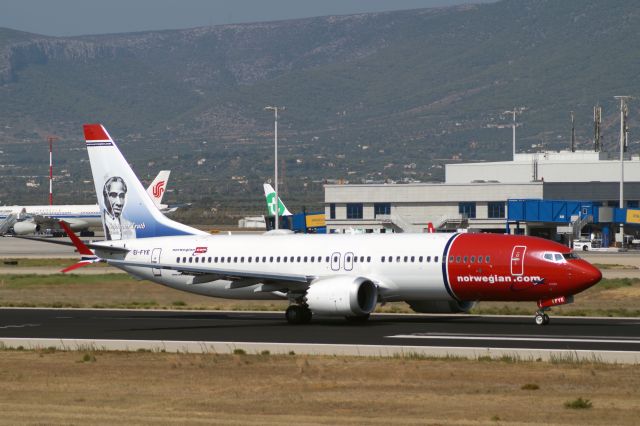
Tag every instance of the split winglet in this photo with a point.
(87, 255)
(82, 248)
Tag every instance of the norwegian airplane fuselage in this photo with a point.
(408, 267)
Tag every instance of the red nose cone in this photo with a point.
(587, 276)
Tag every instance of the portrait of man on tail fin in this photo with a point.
(116, 226)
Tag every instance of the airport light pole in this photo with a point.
(623, 144)
(515, 111)
(276, 214)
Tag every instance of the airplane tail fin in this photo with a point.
(126, 208)
(270, 195)
(157, 187)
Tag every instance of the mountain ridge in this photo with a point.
(369, 97)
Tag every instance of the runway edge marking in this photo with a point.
(621, 357)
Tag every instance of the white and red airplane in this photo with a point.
(333, 275)
(80, 217)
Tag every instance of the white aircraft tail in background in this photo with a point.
(126, 209)
(157, 187)
(270, 195)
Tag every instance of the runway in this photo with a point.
(607, 339)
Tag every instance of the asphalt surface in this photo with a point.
(584, 334)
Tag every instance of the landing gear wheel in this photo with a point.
(540, 319)
(358, 318)
(545, 319)
(297, 314)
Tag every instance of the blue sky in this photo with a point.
(77, 17)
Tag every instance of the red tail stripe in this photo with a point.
(95, 132)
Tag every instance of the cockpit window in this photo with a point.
(554, 257)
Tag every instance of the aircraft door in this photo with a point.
(335, 261)
(517, 260)
(155, 258)
(348, 261)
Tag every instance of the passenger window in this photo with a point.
(284, 259)
(397, 258)
(209, 260)
(368, 259)
(249, 259)
(242, 259)
(458, 259)
(291, 259)
(428, 259)
(228, 259)
(473, 259)
(278, 259)
(264, 259)
(479, 259)
(313, 259)
(222, 260)
(390, 259)
(348, 259)
(413, 259)
(420, 259)
(435, 259)
(382, 259)
(355, 259)
(450, 259)
(257, 259)
(305, 259)
(327, 259)
(184, 260)
(191, 260)
(177, 260)
(196, 260)
(487, 259)
(464, 260)
(335, 259)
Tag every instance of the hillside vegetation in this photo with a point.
(369, 97)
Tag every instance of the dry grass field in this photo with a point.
(49, 387)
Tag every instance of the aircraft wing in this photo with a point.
(223, 274)
(112, 249)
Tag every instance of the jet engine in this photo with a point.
(25, 227)
(344, 296)
(441, 306)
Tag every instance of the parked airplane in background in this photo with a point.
(30, 219)
(270, 195)
(337, 275)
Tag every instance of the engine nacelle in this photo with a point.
(25, 227)
(344, 296)
(441, 306)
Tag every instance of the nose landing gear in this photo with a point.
(542, 318)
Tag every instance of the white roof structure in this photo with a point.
(562, 166)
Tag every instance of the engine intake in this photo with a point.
(343, 296)
(25, 227)
(441, 306)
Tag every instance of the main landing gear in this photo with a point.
(298, 314)
(542, 318)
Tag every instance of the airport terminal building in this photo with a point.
(474, 195)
